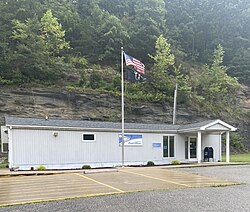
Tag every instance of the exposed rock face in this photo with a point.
(92, 105)
(88, 105)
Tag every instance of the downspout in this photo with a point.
(175, 102)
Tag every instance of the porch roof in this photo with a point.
(208, 126)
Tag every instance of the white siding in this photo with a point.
(4, 134)
(32, 148)
(210, 140)
(4, 137)
(180, 147)
(217, 127)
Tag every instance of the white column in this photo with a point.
(199, 147)
(227, 147)
(220, 151)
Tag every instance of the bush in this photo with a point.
(150, 163)
(4, 164)
(175, 162)
(236, 142)
(86, 167)
(41, 168)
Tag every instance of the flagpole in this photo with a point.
(175, 102)
(122, 87)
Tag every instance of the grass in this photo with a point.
(244, 157)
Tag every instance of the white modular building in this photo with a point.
(70, 144)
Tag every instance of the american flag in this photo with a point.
(137, 65)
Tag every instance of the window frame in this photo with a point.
(169, 135)
(88, 133)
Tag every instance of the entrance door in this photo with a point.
(191, 148)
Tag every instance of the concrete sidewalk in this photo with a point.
(7, 172)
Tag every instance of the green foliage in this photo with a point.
(36, 48)
(95, 80)
(53, 35)
(41, 168)
(116, 81)
(4, 164)
(218, 90)
(163, 60)
(96, 29)
(195, 30)
(78, 62)
(175, 162)
(35, 39)
(5, 82)
(236, 142)
(150, 163)
(86, 167)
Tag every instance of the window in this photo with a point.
(168, 146)
(186, 148)
(88, 137)
(5, 147)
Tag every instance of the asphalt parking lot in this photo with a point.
(31, 189)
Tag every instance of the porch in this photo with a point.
(206, 134)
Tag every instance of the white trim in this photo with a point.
(4, 138)
(90, 129)
(189, 158)
(227, 147)
(169, 135)
(176, 131)
(218, 121)
(204, 128)
(10, 156)
(220, 147)
(198, 147)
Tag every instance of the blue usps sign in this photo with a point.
(131, 140)
(156, 145)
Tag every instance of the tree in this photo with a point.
(147, 24)
(53, 35)
(112, 36)
(163, 60)
(36, 49)
(217, 88)
(28, 56)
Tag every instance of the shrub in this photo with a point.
(4, 164)
(86, 167)
(236, 142)
(175, 162)
(41, 168)
(150, 163)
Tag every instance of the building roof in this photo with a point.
(83, 124)
(17, 121)
(195, 125)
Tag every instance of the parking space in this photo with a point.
(27, 189)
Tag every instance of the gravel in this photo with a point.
(230, 198)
